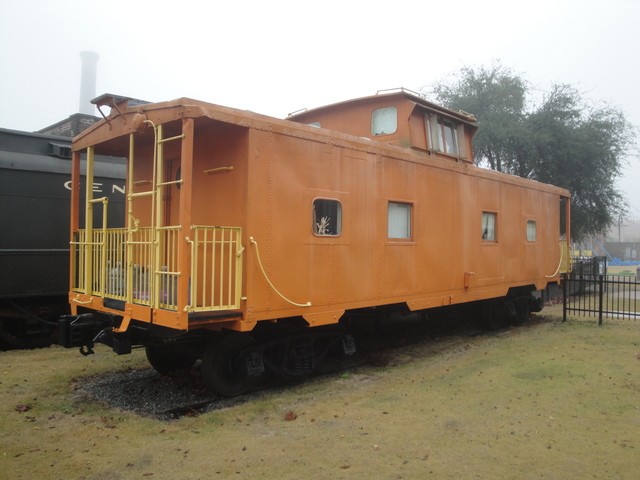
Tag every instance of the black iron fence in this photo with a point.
(589, 291)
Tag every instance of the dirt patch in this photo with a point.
(145, 392)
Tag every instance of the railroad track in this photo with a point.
(169, 397)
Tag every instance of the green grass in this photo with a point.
(622, 270)
(546, 400)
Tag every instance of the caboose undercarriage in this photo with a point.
(232, 363)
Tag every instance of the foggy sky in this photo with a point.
(279, 56)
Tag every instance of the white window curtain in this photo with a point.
(489, 226)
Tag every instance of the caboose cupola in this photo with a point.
(400, 118)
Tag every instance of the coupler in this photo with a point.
(86, 329)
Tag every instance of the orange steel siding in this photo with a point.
(263, 175)
(362, 266)
(219, 197)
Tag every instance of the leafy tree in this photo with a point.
(562, 140)
(497, 98)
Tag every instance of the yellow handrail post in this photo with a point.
(238, 272)
(88, 246)
(157, 221)
(131, 225)
(103, 244)
(565, 257)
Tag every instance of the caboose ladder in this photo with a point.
(150, 248)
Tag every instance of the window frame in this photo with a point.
(535, 230)
(494, 237)
(380, 111)
(316, 225)
(437, 127)
(407, 218)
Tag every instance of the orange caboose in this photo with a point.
(243, 231)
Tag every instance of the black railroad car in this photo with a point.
(35, 193)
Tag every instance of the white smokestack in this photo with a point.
(88, 82)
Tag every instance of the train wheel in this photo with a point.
(522, 310)
(167, 358)
(497, 314)
(4, 345)
(225, 365)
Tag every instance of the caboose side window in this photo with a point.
(531, 231)
(327, 217)
(399, 220)
(489, 226)
(442, 135)
(384, 121)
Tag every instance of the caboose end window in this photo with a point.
(489, 226)
(399, 220)
(327, 217)
(384, 121)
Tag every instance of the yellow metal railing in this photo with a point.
(564, 264)
(138, 247)
(216, 266)
(166, 271)
(565, 257)
(137, 267)
(78, 261)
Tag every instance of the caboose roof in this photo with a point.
(112, 133)
(394, 96)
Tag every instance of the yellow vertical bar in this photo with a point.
(103, 266)
(172, 284)
(238, 272)
(204, 264)
(76, 265)
(212, 279)
(157, 222)
(194, 271)
(219, 266)
(174, 293)
(147, 276)
(95, 259)
(88, 247)
(230, 269)
(119, 265)
(222, 265)
(130, 224)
